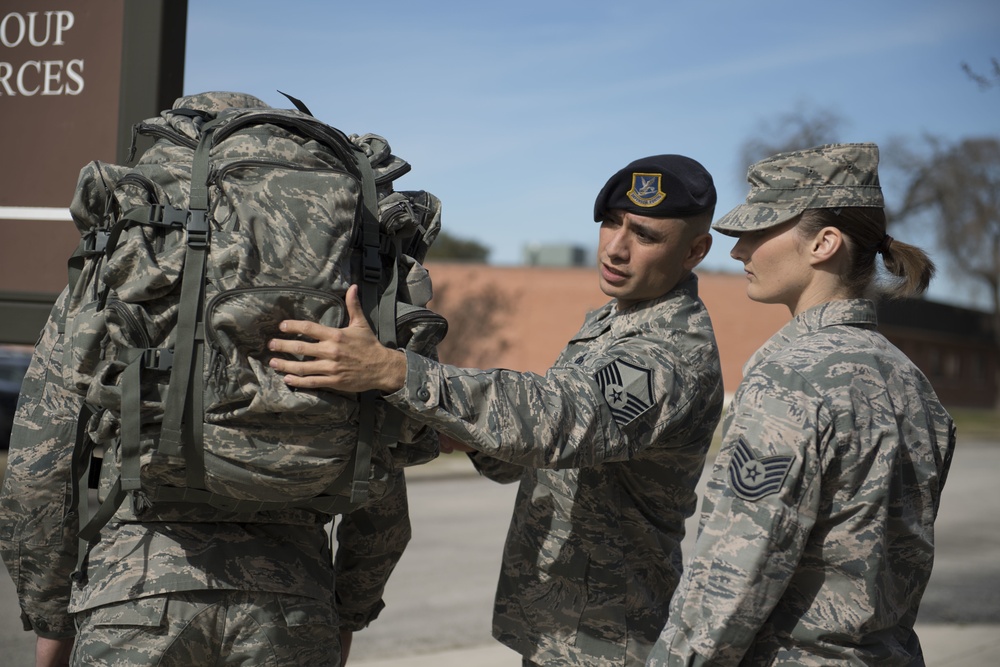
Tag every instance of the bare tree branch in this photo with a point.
(984, 81)
(796, 130)
(956, 189)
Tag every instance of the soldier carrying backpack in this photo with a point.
(150, 383)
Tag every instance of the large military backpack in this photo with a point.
(238, 217)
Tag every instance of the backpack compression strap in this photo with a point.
(371, 303)
(183, 397)
(188, 349)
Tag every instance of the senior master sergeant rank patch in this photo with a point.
(627, 388)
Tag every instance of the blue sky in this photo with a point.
(515, 113)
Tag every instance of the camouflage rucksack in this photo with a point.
(238, 217)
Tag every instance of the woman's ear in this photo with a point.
(826, 244)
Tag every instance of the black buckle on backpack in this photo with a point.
(197, 229)
(95, 242)
(167, 216)
(158, 359)
(371, 264)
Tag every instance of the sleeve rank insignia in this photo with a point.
(753, 478)
(627, 388)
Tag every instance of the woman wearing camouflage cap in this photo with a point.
(816, 536)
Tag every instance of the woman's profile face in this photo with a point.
(776, 261)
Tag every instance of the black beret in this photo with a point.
(659, 186)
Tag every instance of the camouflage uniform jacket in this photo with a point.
(608, 445)
(817, 530)
(282, 552)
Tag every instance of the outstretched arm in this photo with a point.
(578, 414)
(350, 359)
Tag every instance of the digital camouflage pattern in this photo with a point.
(209, 628)
(286, 553)
(608, 445)
(285, 200)
(784, 185)
(282, 554)
(816, 537)
(38, 540)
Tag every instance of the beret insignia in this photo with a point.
(658, 186)
(646, 190)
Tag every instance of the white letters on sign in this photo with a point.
(48, 76)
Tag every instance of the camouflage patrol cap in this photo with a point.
(658, 186)
(786, 184)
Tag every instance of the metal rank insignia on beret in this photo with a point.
(646, 190)
(752, 478)
(628, 390)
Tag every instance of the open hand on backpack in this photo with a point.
(348, 359)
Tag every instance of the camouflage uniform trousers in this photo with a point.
(209, 628)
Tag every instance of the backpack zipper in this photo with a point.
(142, 181)
(214, 301)
(149, 129)
(331, 137)
(130, 323)
(217, 360)
(219, 172)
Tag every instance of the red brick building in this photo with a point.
(544, 306)
(954, 347)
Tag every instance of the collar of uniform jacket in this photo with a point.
(607, 316)
(851, 312)
(687, 285)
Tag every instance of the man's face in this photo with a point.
(642, 258)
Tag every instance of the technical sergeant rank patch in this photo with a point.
(627, 388)
(753, 478)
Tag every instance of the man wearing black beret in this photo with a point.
(607, 446)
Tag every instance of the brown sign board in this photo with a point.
(74, 78)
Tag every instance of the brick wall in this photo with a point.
(546, 306)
